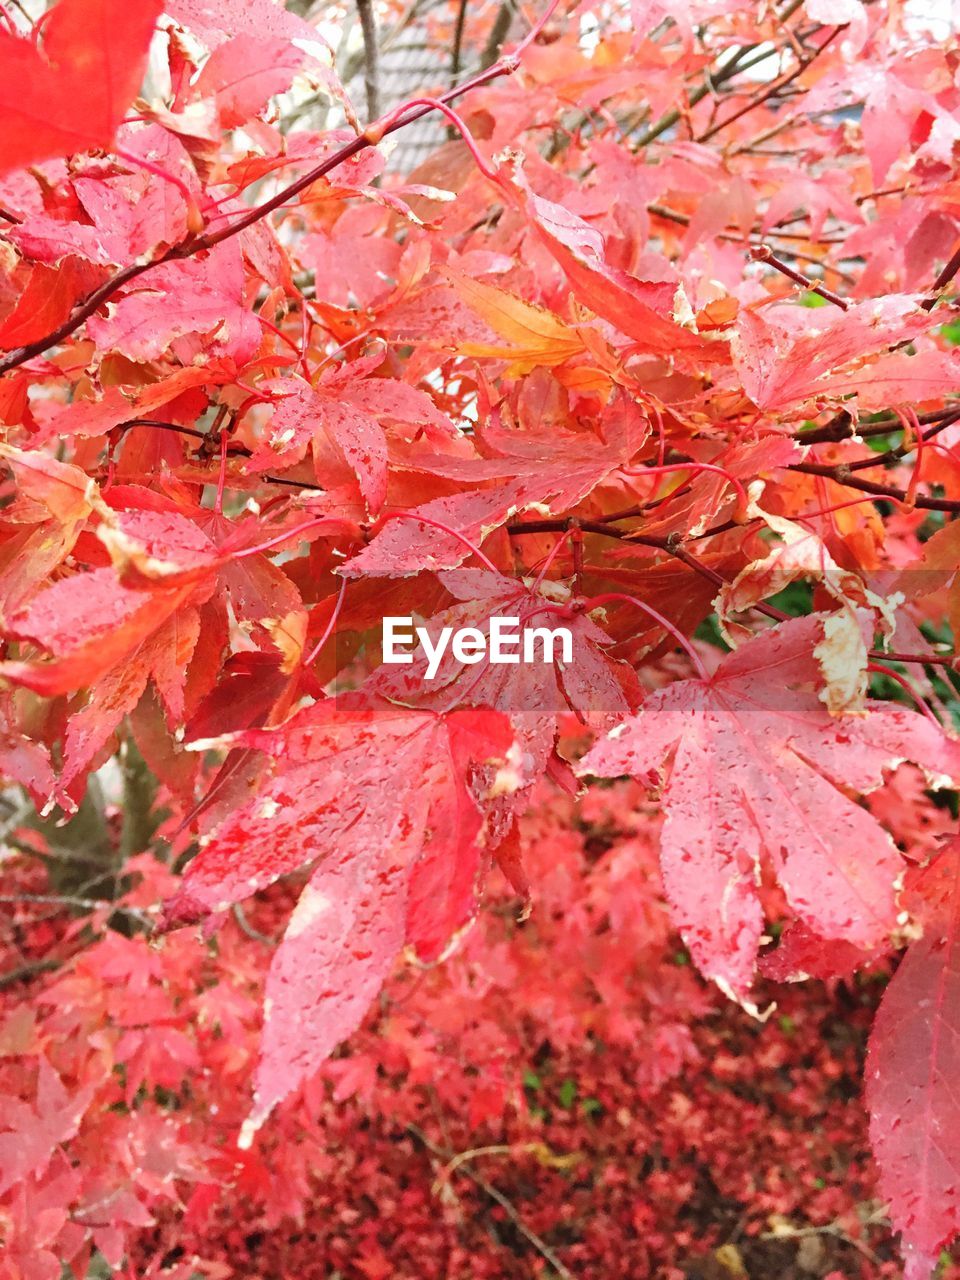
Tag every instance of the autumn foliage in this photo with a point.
(660, 344)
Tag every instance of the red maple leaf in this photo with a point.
(71, 92)
(758, 765)
(388, 803)
(911, 1076)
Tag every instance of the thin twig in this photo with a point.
(840, 473)
(908, 445)
(737, 237)
(254, 934)
(371, 57)
(943, 279)
(464, 1157)
(86, 904)
(672, 546)
(24, 971)
(711, 82)
(457, 53)
(831, 1229)
(771, 89)
(505, 1204)
(763, 253)
(234, 450)
(498, 33)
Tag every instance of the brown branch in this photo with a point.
(840, 473)
(672, 546)
(562, 524)
(291, 484)
(498, 33)
(763, 253)
(58, 899)
(84, 904)
(710, 83)
(234, 449)
(768, 610)
(909, 445)
(161, 426)
(457, 51)
(603, 526)
(25, 971)
(841, 427)
(777, 615)
(943, 279)
(737, 237)
(789, 1232)
(771, 89)
(371, 58)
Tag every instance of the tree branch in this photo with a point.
(457, 52)
(498, 33)
(710, 83)
(943, 279)
(840, 473)
(234, 449)
(771, 89)
(763, 253)
(25, 971)
(254, 934)
(841, 427)
(83, 904)
(371, 57)
(672, 546)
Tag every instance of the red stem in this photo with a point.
(285, 337)
(279, 539)
(376, 131)
(667, 625)
(544, 569)
(692, 466)
(328, 629)
(907, 685)
(444, 528)
(194, 217)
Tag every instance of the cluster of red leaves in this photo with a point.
(257, 393)
(634, 1123)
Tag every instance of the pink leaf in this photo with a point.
(911, 1087)
(244, 74)
(758, 762)
(339, 946)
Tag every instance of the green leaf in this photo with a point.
(568, 1093)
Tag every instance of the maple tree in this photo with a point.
(659, 343)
